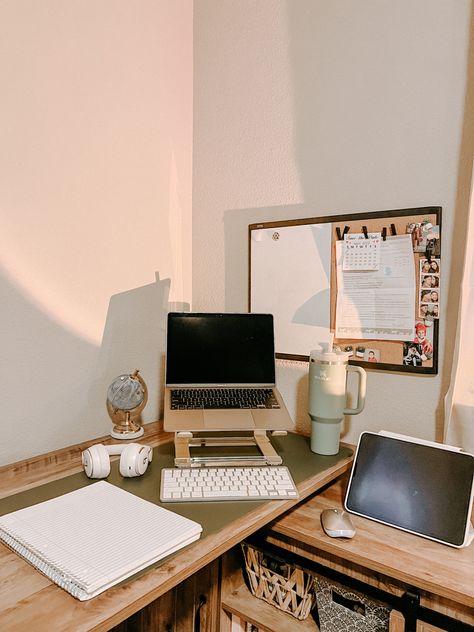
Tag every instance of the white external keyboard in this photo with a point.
(268, 482)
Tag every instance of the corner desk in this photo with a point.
(201, 586)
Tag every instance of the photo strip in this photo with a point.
(429, 293)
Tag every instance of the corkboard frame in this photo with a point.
(391, 222)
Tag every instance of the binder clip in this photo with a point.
(393, 229)
(429, 249)
(364, 230)
(384, 233)
(344, 232)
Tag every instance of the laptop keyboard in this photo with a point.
(222, 398)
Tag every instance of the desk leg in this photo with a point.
(411, 602)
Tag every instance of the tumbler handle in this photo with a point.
(361, 390)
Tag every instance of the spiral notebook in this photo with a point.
(92, 538)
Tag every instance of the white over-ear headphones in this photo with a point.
(134, 459)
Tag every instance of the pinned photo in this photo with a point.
(412, 354)
(429, 281)
(426, 296)
(423, 338)
(425, 237)
(429, 311)
(372, 355)
(429, 266)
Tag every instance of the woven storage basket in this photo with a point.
(285, 586)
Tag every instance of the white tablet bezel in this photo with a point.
(468, 531)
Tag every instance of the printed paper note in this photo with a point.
(378, 304)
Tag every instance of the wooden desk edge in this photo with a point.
(134, 595)
(41, 469)
(350, 552)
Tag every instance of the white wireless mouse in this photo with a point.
(337, 523)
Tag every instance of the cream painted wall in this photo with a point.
(95, 202)
(315, 108)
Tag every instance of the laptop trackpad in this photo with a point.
(228, 420)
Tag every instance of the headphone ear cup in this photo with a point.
(96, 461)
(134, 460)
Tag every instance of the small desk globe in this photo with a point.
(126, 398)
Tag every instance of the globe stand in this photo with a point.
(126, 398)
(126, 429)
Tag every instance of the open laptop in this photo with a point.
(216, 356)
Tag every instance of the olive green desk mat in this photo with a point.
(293, 448)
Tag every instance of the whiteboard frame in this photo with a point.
(390, 219)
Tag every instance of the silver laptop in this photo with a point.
(220, 374)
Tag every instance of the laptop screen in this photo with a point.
(220, 349)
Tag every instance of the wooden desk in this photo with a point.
(381, 556)
(28, 600)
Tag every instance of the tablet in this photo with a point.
(419, 486)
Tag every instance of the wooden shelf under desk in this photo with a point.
(237, 599)
(263, 615)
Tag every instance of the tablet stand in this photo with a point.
(470, 535)
(183, 441)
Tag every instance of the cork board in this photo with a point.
(292, 260)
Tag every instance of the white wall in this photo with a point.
(95, 200)
(315, 108)
(301, 108)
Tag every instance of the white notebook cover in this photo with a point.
(92, 538)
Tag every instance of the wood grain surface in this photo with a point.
(382, 555)
(30, 601)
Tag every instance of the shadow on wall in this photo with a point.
(134, 338)
(461, 430)
(45, 372)
(358, 143)
(292, 377)
(50, 374)
(361, 145)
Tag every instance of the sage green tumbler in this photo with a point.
(327, 396)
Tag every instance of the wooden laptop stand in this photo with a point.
(183, 441)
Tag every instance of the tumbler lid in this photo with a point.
(326, 353)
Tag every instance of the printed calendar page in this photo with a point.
(361, 252)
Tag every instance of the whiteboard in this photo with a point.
(290, 276)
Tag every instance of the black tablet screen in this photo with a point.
(420, 488)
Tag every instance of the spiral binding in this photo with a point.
(69, 582)
(83, 560)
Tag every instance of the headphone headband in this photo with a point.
(134, 459)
